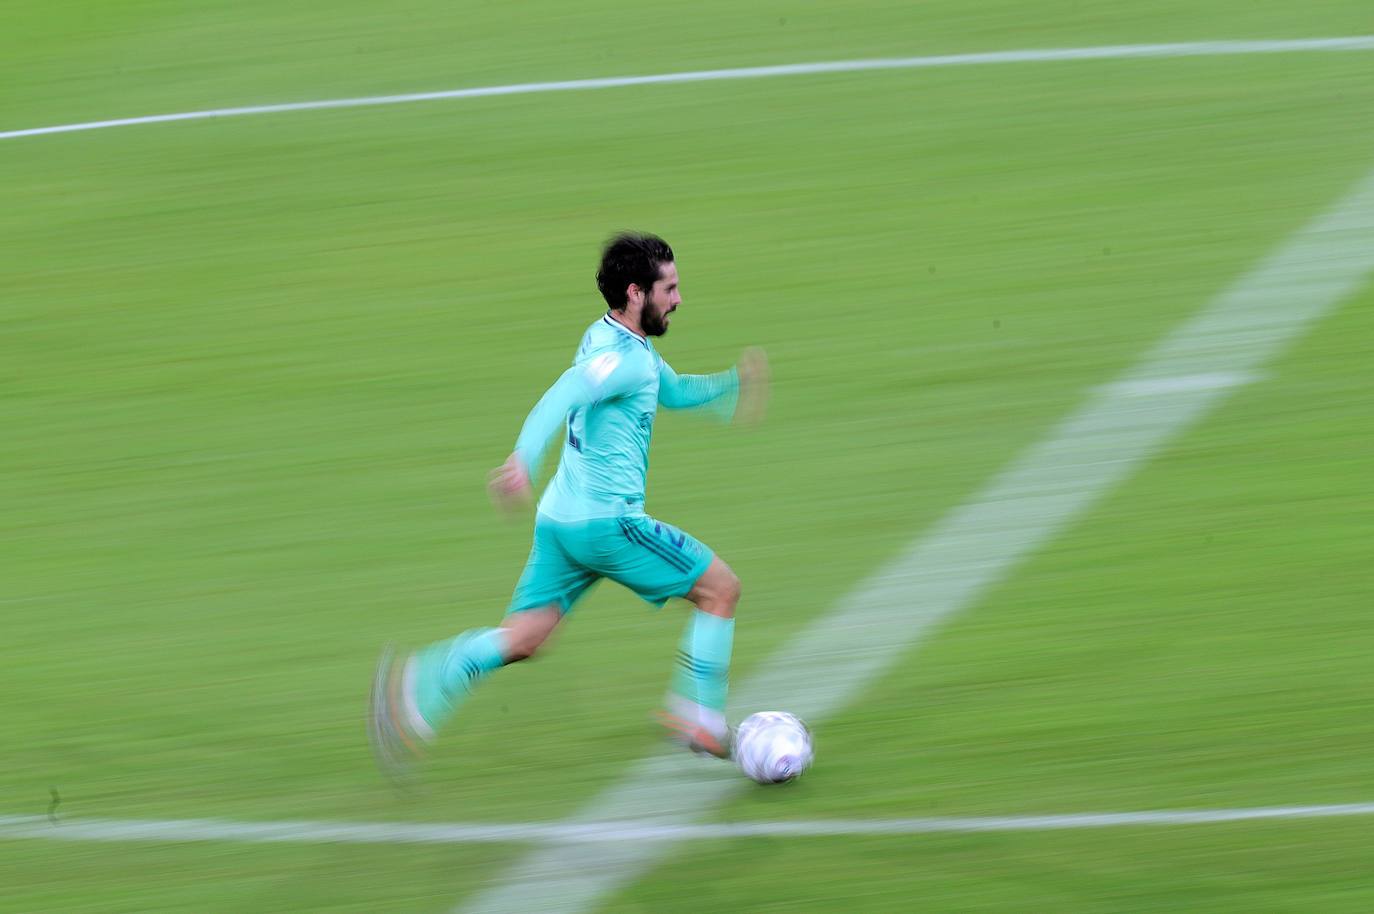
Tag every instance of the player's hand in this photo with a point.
(753, 387)
(509, 485)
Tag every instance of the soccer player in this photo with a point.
(591, 523)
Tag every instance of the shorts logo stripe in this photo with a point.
(639, 537)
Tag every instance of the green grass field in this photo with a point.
(253, 372)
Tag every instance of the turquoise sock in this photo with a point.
(450, 669)
(703, 660)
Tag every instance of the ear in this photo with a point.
(634, 294)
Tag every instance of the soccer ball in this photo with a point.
(773, 747)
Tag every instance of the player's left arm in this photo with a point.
(603, 376)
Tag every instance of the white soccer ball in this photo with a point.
(772, 747)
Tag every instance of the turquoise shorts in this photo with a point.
(655, 560)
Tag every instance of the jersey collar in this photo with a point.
(625, 330)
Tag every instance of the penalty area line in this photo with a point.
(314, 832)
(1107, 52)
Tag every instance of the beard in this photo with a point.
(653, 321)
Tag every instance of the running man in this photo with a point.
(591, 524)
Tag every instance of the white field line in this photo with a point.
(829, 665)
(1108, 52)
(602, 833)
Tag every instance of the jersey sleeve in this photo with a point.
(601, 376)
(716, 393)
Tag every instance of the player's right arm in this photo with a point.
(753, 386)
(739, 394)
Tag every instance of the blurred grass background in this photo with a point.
(254, 372)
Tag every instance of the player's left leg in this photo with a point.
(696, 696)
(658, 562)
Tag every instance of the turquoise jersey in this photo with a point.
(606, 403)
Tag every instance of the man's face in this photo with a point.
(661, 301)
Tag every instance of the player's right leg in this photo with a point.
(427, 686)
(415, 696)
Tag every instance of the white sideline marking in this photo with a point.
(829, 664)
(601, 833)
(1183, 49)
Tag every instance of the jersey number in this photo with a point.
(573, 440)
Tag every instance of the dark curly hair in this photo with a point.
(630, 257)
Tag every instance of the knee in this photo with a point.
(521, 648)
(526, 632)
(522, 644)
(717, 591)
(725, 595)
(732, 589)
